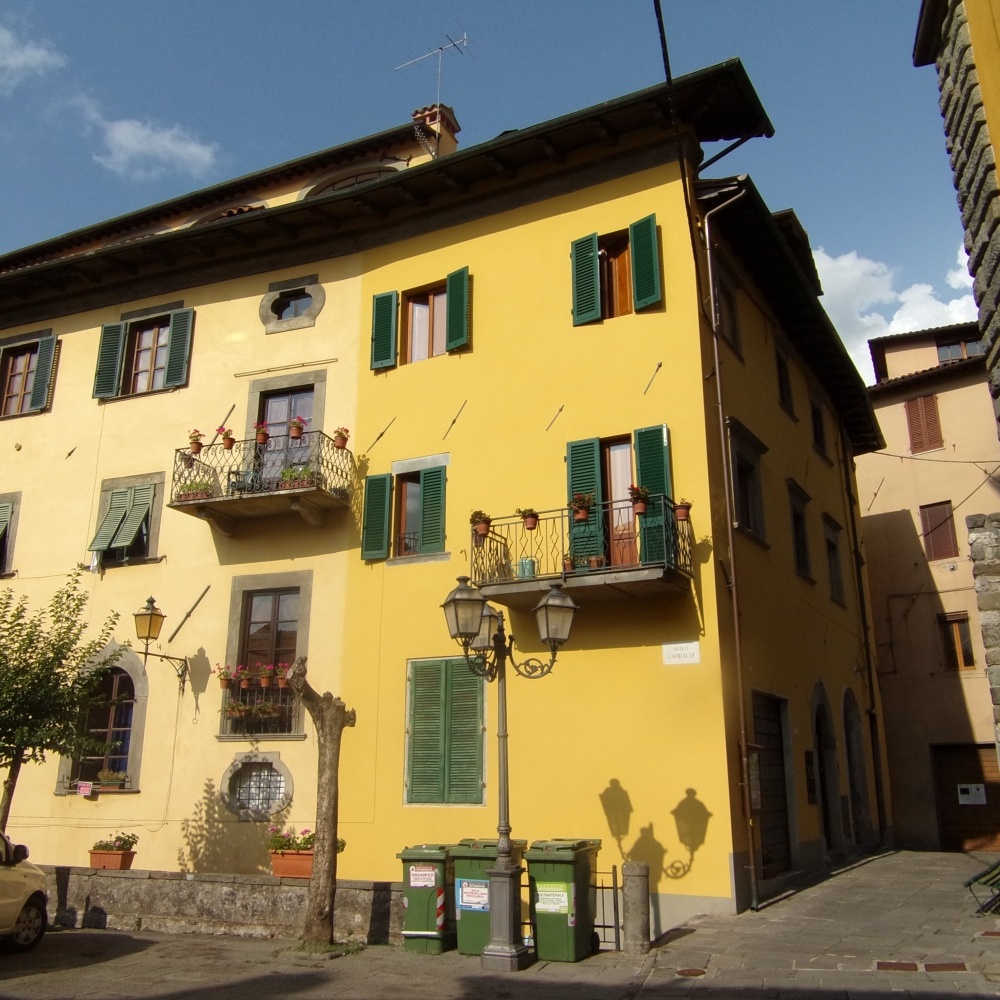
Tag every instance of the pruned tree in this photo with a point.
(331, 717)
(49, 674)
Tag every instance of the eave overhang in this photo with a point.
(930, 377)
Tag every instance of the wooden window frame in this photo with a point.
(32, 394)
(937, 529)
(923, 423)
(956, 640)
(832, 532)
(785, 395)
(748, 481)
(108, 705)
(798, 500)
(435, 299)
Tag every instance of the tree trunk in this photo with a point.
(9, 784)
(330, 718)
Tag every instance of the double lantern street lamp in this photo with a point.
(478, 628)
(148, 622)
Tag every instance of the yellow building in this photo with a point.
(566, 309)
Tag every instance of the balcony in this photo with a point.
(615, 554)
(308, 476)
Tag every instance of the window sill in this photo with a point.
(139, 395)
(789, 410)
(822, 454)
(806, 577)
(258, 737)
(753, 536)
(142, 561)
(9, 576)
(427, 557)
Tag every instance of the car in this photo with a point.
(23, 898)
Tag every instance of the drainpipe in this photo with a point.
(730, 541)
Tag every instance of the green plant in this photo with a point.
(198, 486)
(195, 434)
(106, 774)
(289, 840)
(526, 512)
(298, 421)
(118, 842)
(341, 432)
(582, 501)
(224, 431)
(479, 516)
(296, 472)
(638, 493)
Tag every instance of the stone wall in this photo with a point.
(973, 165)
(246, 905)
(984, 544)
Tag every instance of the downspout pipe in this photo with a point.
(724, 444)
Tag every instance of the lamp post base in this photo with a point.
(506, 951)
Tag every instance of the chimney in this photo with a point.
(436, 127)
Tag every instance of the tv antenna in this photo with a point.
(462, 42)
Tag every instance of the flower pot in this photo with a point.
(265, 680)
(292, 864)
(530, 522)
(482, 528)
(282, 682)
(638, 506)
(224, 682)
(244, 682)
(228, 442)
(295, 432)
(340, 442)
(682, 511)
(263, 437)
(581, 514)
(112, 860)
(595, 562)
(195, 447)
(567, 564)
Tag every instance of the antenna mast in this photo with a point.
(439, 52)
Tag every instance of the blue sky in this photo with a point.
(108, 107)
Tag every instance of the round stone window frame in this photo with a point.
(240, 760)
(309, 286)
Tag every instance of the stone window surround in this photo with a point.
(158, 481)
(271, 757)
(309, 284)
(263, 386)
(7, 566)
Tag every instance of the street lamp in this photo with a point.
(148, 622)
(478, 628)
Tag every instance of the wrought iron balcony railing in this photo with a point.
(612, 539)
(225, 482)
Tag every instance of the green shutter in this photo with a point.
(43, 374)
(385, 307)
(6, 513)
(652, 464)
(464, 772)
(140, 503)
(178, 348)
(457, 316)
(432, 485)
(586, 280)
(645, 263)
(375, 526)
(117, 510)
(426, 732)
(583, 471)
(109, 360)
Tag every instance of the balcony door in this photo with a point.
(616, 455)
(281, 451)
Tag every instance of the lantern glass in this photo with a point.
(463, 611)
(554, 613)
(487, 629)
(148, 622)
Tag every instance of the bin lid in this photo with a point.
(434, 852)
(543, 848)
(472, 847)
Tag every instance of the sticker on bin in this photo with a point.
(553, 897)
(423, 876)
(472, 894)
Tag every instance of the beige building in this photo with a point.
(939, 463)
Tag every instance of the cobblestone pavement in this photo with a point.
(886, 927)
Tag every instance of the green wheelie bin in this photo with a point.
(428, 898)
(473, 860)
(561, 874)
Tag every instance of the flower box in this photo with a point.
(119, 861)
(196, 495)
(292, 864)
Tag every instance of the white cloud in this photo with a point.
(141, 151)
(21, 59)
(860, 299)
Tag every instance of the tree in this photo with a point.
(48, 677)
(330, 717)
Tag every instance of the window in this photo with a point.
(831, 533)
(144, 355)
(292, 304)
(784, 383)
(923, 424)
(728, 315)
(956, 640)
(797, 500)
(437, 321)
(604, 467)
(268, 635)
(257, 785)
(746, 452)
(444, 737)
(26, 371)
(959, 350)
(129, 522)
(615, 274)
(937, 527)
(9, 508)
(412, 526)
(819, 428)
(276, 409)
(109, 721)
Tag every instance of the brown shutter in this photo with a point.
(923, 424)
(937, 525)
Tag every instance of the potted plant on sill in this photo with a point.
(580, 504)
(340, 436)
(281, 674)
(115, 853)
(296, 426)
(529, 516)
(226, 434)
(260, 429)
(480, 522)
(225, 675)
(243, 675)
(292, 853)
(295, 477)
(110, 778)
(639, 496)
(682, 509)
(194, 440)
(265, 674)
(199, 489)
